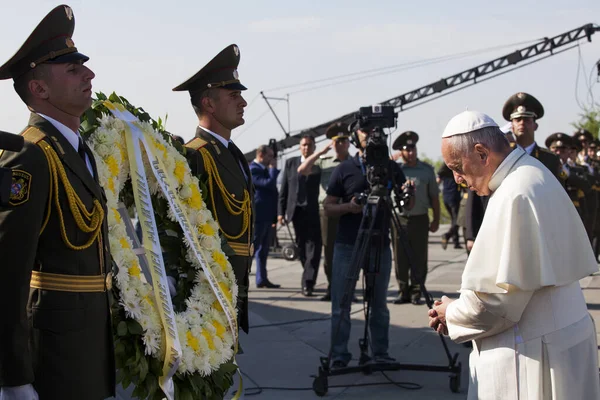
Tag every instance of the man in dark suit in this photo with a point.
(217, 99)
(55, 330)
(264, 175)
(299, 203)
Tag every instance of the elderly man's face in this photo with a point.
(473, 169)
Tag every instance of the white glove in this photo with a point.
(24, 392)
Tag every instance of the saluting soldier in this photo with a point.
(573, 175)
(340, 143)
(55, 330)
(216, 96)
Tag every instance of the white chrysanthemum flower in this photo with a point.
(185, 192)
(152, 344)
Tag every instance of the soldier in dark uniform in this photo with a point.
(216, 97)
(592, 159)
(55, 335)
(573, 175)
(582, 140)
(523, 110)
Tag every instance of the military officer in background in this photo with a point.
(216, 97)
(55, 330)
(416, 220)
(523, 110)
(340, 143)
(576, 183)
(582, 139)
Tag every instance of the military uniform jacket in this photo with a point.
(58, 340)
(227, 162)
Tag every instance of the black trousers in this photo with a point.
(417, 230)
(453, 231)
(307, 228)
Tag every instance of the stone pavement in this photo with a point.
(290, 332)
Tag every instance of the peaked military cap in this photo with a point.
(337, 130)
(559, 139)
(594, 144)
(583, 135)
(522, 105)
(406, 140)
(50, 42)
(220, 72)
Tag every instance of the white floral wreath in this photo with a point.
(205, 336)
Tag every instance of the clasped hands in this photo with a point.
(437, 315)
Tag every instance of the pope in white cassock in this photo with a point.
(520, 300)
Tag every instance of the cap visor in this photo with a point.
(235, 86)
(69, 58)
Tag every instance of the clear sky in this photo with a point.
(142, 49)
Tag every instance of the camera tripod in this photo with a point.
(373, 229)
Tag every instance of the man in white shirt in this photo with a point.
(520, 299)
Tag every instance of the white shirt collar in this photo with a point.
(262, 166)
(529, 148)
(71, 136)
(504, 168)
(220, 138)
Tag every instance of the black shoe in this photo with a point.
(327, 297)
(307, 291)
(458, 246)
(337, 364)
(416, 301)
(268, 285)
(401, 299)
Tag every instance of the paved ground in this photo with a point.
(289, 333)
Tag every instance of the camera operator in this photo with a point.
(347, 180)
(416, 220)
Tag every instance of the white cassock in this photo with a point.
(520, 301)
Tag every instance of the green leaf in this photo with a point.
(122, 328)
(185, 394)
(134, 327)
(143, 368)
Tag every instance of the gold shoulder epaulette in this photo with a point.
(196, 144)
(33, 134)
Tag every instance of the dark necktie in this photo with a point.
(81, 150)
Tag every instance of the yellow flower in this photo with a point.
(192, 341)
(117, 215)
(113, 165)
(219, 328)
(217, 306)
(220, 259)
(225, 290)
(195, 201)
(111, 185)
(206, 229)
(124, 243)
(135, 270)
(179, 171)
(209, 340)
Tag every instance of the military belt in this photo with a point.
(68, 283)
(242, 249)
